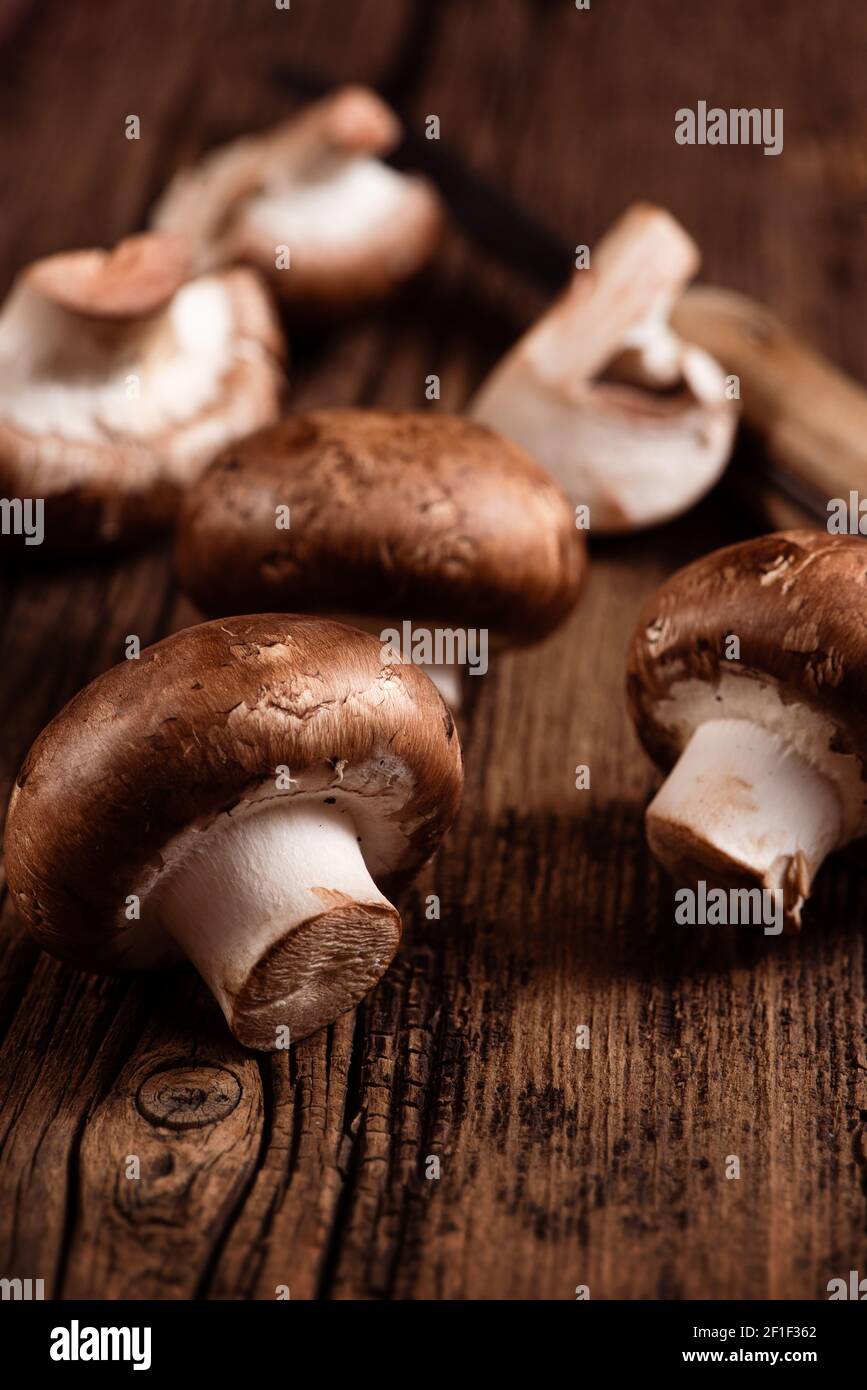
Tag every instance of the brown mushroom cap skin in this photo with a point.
(795, 599)
(195, 729)
(399, 514)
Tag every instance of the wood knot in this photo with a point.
(188, 1097)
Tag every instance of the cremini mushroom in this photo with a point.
(634, 423)
(748, 685)
(311, 204)
(429, 530)
(120, 378)
(243, 794)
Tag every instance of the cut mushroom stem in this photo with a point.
(631, 420)
(118, 299)
(742, 807)
(621, 305)
(353, 120)
(317, 933)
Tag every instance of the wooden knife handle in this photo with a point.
(810, 417)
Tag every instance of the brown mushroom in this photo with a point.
(312, 206)
(394, 517)
(748, 686)
(631, 421)
(120, 379)
(241, 795)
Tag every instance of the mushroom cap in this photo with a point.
(157, 752)
(795, 600)
(355, 227)
(119, 382)
(402, 514)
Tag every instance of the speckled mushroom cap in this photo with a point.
(162, 750)
(796, 601)
(121, 378)
(400, 514)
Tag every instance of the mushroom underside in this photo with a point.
(743, 807)
(635, 457)
(760, 792)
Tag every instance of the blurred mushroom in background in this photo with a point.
(426, 527)
(633, 422)
(312, 206)
(121, 378)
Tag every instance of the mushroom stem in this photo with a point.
(620, 305)
(114, 298)
(317, 934)
(60, 336)
(105, 340)
(743, 807)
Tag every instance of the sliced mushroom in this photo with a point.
(240, 795)
(313, 187)
(748, 685)
(393, 518)
(631, 421)
(120, 379)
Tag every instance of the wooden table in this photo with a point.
(559, 1167)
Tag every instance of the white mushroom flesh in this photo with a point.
(759, 782)
(281, 917)
(89, 380)
(633, 456)
(630, 463)
(749, 798)
(339, 202)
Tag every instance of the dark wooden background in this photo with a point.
(558, 1167)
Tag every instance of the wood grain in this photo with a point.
(558, 1167)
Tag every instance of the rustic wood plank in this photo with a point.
(558, 1167)
(166, 1156)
